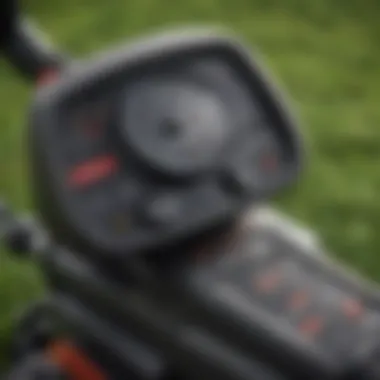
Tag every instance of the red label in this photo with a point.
(74, 363)
(93, 171)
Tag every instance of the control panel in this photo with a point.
(158, 142)
(268, 295)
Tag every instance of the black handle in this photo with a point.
(8, 16)
(28, 53)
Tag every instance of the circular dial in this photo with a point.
(256, 166)
(175, 127)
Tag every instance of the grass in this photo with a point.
(325, 53)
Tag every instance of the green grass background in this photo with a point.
(324, 52)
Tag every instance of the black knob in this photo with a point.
(163, 210)
(18, 239)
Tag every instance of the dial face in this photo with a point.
(175, 126)
(136, 159)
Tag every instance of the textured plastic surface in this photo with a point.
(238, 304)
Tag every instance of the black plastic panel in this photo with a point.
(88, 143)
(270, 295)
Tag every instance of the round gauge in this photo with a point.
(177, 128)
(257, 165)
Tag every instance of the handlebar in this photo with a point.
(26, 49)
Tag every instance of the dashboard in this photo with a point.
(143, 149)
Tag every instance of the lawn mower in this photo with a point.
(151, 168)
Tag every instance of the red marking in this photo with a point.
(47, 77)
(74, 363)
(268, 282)
(311, 326)
(93, 171)
(352, 308)
(299, 300)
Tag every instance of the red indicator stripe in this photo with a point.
(352, 309)
(311, 326)
(74, 363)
(93, 171)
(47, 76)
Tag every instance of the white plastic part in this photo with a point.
(267, 218)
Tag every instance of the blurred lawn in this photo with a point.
(326, 55)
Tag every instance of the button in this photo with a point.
(270, 290)
(352, 309)
(285, 291)
(268, 282)
(343, 316)
(311, 326)
(165, 209)
(298, 300)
